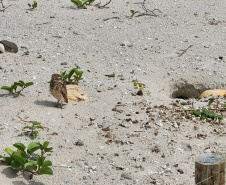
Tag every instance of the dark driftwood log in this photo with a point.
(210, 173)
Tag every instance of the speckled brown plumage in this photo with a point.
(58, 89)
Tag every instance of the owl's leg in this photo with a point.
(57, 104)
(61, 105)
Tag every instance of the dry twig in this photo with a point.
(1, 1)
(103, 6)
(2, 10)
(148, 12)
(183, 51)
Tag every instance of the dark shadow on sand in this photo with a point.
(10, 173)
(45, 103)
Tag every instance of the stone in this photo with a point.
(9, 46)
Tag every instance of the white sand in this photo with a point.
(123, 155)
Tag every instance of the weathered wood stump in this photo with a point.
(210, 171)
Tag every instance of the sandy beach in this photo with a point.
(115, 137)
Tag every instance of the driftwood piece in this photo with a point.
(74, 93)
(216, 92)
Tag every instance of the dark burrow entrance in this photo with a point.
(184, 90)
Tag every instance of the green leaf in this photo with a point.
(196, 112)
(35, 123)
(29, 127)
(40, 160)
(27, 52)
(219, 116)
(62, 73)
(29, 84)
(16, 165)
(47, 163)
(20, 83)
(71, 73)
(79, 73)
(208, 113)
(210, 102)
(184, 103)
(14, 86)
(224, 105)
(20, 146)
(8, 160)
(110, 75)
(9, 151)
(20, 157)
(49, 149)
(39, 127)
(77, 2)
(34, 4)
(45, 170)
(85, 1)
(35, 133)
(32, 147)
(31, 165)
(45, 144)
(203, 116)
(63, 63)
(7, 88)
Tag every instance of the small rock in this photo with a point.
(207, 151)
(175, 125)
(180, 171)
(159, 123)
(79, 143)
(60, 45)
(9, 46)
(67, 182)
(124, 125)
(126, 176)
(2, 48)
(38, 91)
(126, 43)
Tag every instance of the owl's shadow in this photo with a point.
(45, 103)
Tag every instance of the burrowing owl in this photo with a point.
(58, 89)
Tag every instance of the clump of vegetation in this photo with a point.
(140, 88)
(26, 160)
(63, 63)
(82, 3)
(205, 113)
(13, 88)
(26, 53)
(111, 75)
(73, 76)
(33, 129)
(133, 12)
(34, 5)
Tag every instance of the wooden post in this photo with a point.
(210, 170)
